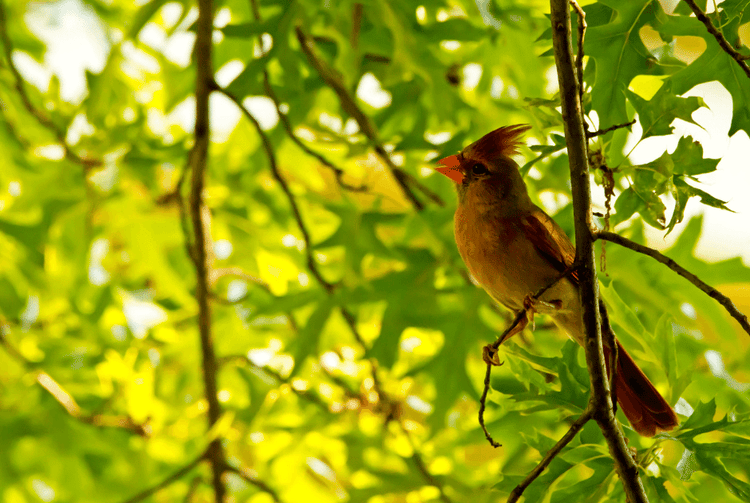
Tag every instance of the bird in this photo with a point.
(513, 249)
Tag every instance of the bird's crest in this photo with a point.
(502, 142)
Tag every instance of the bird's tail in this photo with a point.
(648, 411)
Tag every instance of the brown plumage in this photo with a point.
(513, 249)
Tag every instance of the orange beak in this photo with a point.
(451, 167)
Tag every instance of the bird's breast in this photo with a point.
(501, 259)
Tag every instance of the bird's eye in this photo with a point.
(479, 169)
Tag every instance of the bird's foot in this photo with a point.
(491, 355)
(533, 305)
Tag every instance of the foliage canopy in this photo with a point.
(101, 390)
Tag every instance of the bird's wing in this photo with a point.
(550, 240)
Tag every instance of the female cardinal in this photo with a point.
(513, 249)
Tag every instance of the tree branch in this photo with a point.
(726, 46)
(601, 404)
(168, 481)
(333, 79)
(271, 155)
(577, 425)
(401, 176)
(338, 172)
(199, 160)
(311, 264)
(712, 292)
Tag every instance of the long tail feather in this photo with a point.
(648, 411)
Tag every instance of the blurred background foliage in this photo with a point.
(349, 349)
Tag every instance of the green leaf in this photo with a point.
(11, 302)
(144, 15)
(448, 368)
(259, 384)
(620, 55)
(702, 415)
(626, 204)
(556, 469)
(715, 467)
(589, 489)
(712, 64)
(688, 158)
(622, 314)
(664, 341)
(253, 29)
(642, 200)
(306, 343)
(706, 198)
(657, 114)
(250, 80)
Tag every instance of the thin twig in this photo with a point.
(338, 172)
(579, 57)
(198, 161)
(271, 155)
(248, 476)
(41, 117)
(712, 292)
(334, 81)
(547, 459)
(520, 316)
(422, 467)
(168, 481)
(703, 18)
(600, 132)
(485, 392)
(237, 272)
(600, 402)
(67, 401)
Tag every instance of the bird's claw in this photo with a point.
(491, 355)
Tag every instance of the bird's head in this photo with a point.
(485, 175)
